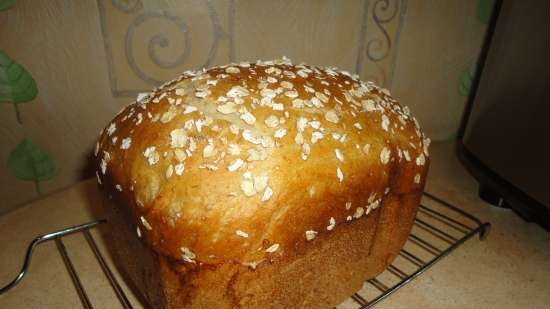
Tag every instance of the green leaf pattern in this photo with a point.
(26, 161)
(16, 84)
(6, 4)
(485, 10)
(29, 162)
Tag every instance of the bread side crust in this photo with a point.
(320, 275)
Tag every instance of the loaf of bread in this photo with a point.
(259, 185)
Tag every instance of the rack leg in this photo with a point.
(72, 272)
(492, 197)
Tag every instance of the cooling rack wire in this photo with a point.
(439, 228)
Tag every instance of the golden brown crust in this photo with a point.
(251, 164)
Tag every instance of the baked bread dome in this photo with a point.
(250, 169)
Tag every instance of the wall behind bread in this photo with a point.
(90, 58)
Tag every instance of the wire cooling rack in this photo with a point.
(438, 229)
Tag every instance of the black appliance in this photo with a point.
(505, 139)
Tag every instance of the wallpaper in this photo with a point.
(66, 67)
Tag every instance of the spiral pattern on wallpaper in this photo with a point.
(159, 41)
(383, 12)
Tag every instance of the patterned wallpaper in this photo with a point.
(158, 40)
(76, 63)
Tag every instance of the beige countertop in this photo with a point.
(510, 269)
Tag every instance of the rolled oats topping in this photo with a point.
(241, 234)
(385, 155)
(339, 155)
(331, 116)
(331, 224)
(273, 248)
(272, 121)
(310, 235)
(126, 143)
(235, 165)
(254, 124)
(187, 255)
(232, 70)
(339, 174)
(145, 223)
(152, 155)
(268, 193)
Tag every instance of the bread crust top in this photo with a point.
(246, 162)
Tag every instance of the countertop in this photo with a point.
(510, 269)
